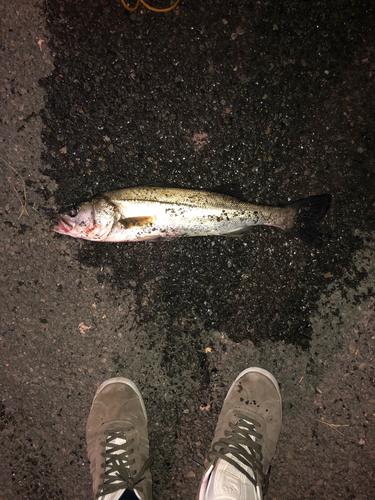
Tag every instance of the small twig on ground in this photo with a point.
(23, 203)
(198, 463)
(333, 426)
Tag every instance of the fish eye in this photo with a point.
(73, 212)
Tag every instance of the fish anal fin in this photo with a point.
(239, 232)
(139, 222)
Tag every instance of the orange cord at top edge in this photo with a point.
(132, 9)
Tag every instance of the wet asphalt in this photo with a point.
(273, 98)
(272, 89)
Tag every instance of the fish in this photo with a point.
(146, 213)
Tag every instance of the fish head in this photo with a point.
(91, 220)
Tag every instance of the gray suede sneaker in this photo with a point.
(117, 441)
(245, 439)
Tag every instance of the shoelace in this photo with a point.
(118, 474)
(241, 443)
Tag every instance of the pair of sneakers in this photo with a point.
(237, 464)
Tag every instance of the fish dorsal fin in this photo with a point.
(229, 190)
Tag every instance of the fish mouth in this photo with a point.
(62, 225)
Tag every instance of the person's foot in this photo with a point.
(117, 441)
(245, 439)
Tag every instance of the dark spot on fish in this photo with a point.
(171, 211)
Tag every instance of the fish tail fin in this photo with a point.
(308, 213)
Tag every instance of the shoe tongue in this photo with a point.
(118, 442)
(114, 496)
(228, 483)
(122, 495)
(117, 494)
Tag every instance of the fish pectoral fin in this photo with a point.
(138, 222)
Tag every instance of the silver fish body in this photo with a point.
(151, 213)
